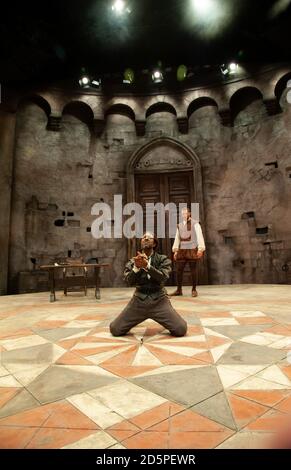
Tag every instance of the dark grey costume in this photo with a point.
(150, 299)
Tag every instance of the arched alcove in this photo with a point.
(243, 98)
(165, 170)
(37, 100)
(281, 87)
(203, 101)
(161, 119)
(79, 110)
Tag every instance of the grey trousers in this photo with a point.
(159, 310)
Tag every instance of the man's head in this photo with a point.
(149, 241)
(186, 213)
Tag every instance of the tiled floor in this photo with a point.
(65, 382)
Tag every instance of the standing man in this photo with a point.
(148, 272)
(188, 247)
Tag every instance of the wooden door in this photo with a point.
(165, 188)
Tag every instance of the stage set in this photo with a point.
(67, 383)
(115, 107)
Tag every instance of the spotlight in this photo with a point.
(128, 76)
(157, 76)
(96, 83)
(232, 67)
(84, 81)
(119, 7)
(203, 7)
(229, 69)
(182, 72)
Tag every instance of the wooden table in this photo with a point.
(52, 268)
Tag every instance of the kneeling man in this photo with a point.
(148, 272)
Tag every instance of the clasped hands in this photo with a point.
(141, 260)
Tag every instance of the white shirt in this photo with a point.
(199, 237)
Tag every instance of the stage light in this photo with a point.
(84, 81)
(128, 76)
(229, 69)
(96, 83)
(157, 76)
(232, 67)
(182, 73)
(203, 7)
(120, 7)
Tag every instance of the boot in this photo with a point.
(194, 292)
(193, 268)
(178, 291)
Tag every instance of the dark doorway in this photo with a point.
(165, 188)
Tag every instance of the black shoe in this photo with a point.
(177, 292)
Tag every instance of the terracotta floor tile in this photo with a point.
(50, 324)
(127, 371)
(91, 317)
(171, 358)
(16, 334)
(6, 394)
(122, 435)
(285, 405)
(213, 341)
(147, 440)
(215, 314)
(123, 426)
(272, 421)
(287, 371)
(15, 438)
(244, 411)
(65, 415)
(264, 397)
(31, 418)
(197, 440)
(95, 339)
(194, 330)
(205, 357)
(279, 330)
(255, 321)
(180, 344)
(67, 343)
(92, 351)
(125, 358)
(72, 359)
(48, 438)
(189, 421)
(156, 415)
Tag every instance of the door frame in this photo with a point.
(189, 161)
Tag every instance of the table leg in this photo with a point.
(97, 283)
(52, 286)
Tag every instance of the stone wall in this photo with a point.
(71, 150)
(7, 127)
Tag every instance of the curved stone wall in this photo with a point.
(71, 150)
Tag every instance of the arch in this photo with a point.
(122, 110)
(193, 164)
(38, 100)
(281, 85)
(161, 107)
(79, 110)
(168, 141)
(200, 103)
(243, 98)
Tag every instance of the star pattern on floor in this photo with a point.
(65, 382)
